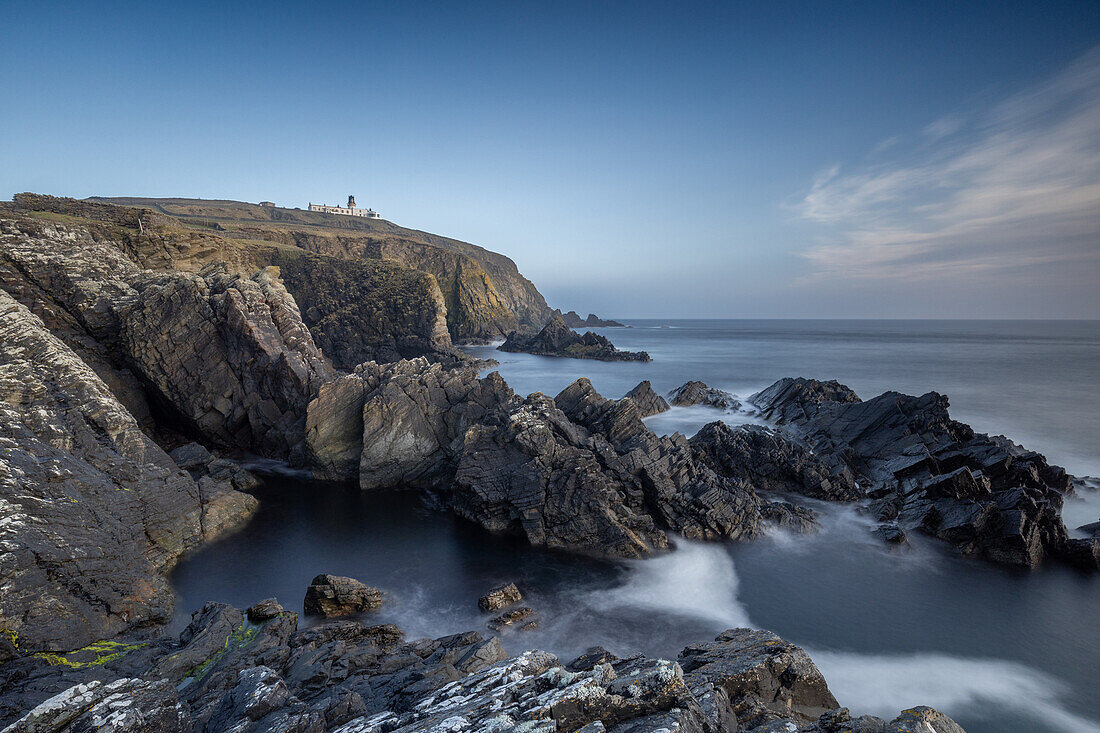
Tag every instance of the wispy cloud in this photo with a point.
(1018, 187)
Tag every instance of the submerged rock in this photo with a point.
(336, 595)
(698, 393)
(557, 339)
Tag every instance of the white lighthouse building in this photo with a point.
(349, 210)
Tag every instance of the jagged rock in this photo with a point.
(359, 311)
(79, 479)
(698, 393)
(499, 597)
(770, 461)
(335, 595)
(130, 705)
(227, 356)
(984, 495)
(648, 401)
(521, 616)
(232, 674)
(573, 320)
(557, 339)
(923, 720)
(400, 423)
(765, 677)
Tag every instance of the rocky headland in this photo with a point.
(573, 320)
(141, 350)
(558, 339)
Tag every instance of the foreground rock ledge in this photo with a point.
(227, 672)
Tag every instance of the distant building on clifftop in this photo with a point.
(348, 210)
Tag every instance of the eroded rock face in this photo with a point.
(400, 423)
(232, 674)
(93, 512)
(500, 597)
(985, 495)
(228, 356)
(770, 461)
(698, 393)
(557, 339)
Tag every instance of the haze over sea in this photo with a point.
(997, 650)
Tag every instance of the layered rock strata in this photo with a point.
(226, 672)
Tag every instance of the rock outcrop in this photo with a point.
(648, 402)
(985, 495)
(557, 339)
(222, 356)
(499, 597)
(228, 673)
(573, 320)
(92, 511)
(335, 595)
(771, 461)
(698, 393)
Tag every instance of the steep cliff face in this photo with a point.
(358, 309)
(92, 512)
(485, 294)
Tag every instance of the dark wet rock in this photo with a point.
(891, 535)
(698, 393)
(985, 495)
(557, 339)
(227, 673)
(771, 461)
(524, 617)
(765, 677)
(1092, 529)
(590, 658)
(648, 401)
(335, 595)
(501, 596)
(266, 609)
(94, 512)
(573, 320)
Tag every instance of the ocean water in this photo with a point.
(998, 650)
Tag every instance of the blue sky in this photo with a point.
(770, 159)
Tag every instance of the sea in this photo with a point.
(996, 649)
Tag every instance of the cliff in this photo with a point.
(485, 294)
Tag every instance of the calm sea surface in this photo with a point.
(998, 650)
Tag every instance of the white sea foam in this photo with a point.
(883, 685)
(697, 580)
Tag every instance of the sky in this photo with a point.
(738, 160)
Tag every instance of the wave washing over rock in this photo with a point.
(138, 352)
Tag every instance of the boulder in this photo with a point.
(335, 595)
(501, 596)
(698, 393)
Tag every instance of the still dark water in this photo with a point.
(997, 650)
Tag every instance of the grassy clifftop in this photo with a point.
(485, 294)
